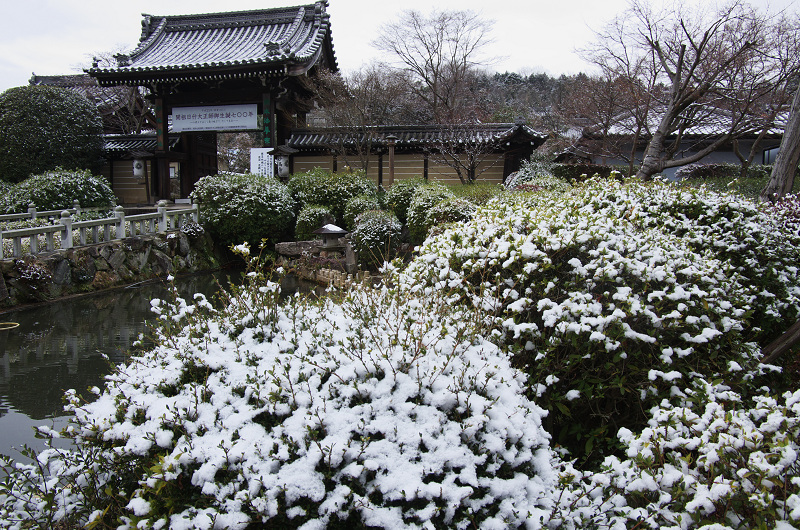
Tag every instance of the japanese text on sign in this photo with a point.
(217, 118)
(261, 161)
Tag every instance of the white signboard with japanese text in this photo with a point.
(262, 161)
(215, 118)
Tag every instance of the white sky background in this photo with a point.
(51, 37)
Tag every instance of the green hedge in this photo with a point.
(376, 236)
(310, 218)
(579, 172)
(43, 127)
(236, 208)
(399, 196)
(332, 190)
(56, 190)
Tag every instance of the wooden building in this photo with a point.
(238, 71)
(486, 152)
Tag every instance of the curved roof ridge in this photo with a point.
(181, 45)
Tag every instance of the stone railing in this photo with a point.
(68, 233)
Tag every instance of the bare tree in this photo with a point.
(464, 150)
(124, 109)
(782, 179)
(708, 68)
(440, 53)
(357, 103)
(233, 151)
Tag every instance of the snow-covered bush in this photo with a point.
(536, 175)
(613, 294)
(376, 236)
(383, 411)
(45, 127)
(450, 210)
(424, 198)
(356, 206)
(716, 461)
(479, 193)
(310, 218)
(56, 190)
(399, 196)
(332, 190)
(236, 208)
(787, 210)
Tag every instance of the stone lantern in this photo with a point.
(330, 236)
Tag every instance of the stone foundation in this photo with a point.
(52, 275)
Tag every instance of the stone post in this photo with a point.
(119, 213)
(32, 210)
(195, 212)
(66, 230)
(391, 140)
(76, 205)
(163, 220)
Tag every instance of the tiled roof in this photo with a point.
(136, 143)
(713, 122)
(107, 99)
(414, 135)
(226, 45)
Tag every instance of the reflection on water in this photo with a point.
(61, 345)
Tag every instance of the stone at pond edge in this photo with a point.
(97, 267)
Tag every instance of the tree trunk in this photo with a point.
(782, 178)
(782, 344)
(651, 161)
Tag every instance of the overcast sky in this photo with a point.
(52, 37)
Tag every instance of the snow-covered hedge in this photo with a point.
(450, 210)
(424, 198)
(382, 411)
(715, 462)
(310, 218)
(376, 236)
(357, 206)
(57, 189)
(236, 208)
(398, 197)
(332, 190)
(612, 295)
(536, 175)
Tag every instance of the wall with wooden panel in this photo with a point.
(307, 163)
(127, 188)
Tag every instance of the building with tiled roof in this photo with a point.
(614, 145)
(494, 149)
(214, 72)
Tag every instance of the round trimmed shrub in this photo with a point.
(537, 176)
(356, 206)
(236, 208)
(615, 295)
(57, 189)
(424, 199)
(399, 196)
(332, 190)
(310, 218)
(43, 127)
(450, 210)
(376, 236)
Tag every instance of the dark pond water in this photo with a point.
(61, 345)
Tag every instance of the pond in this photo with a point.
(74, 343)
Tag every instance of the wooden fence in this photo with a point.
(65, 232)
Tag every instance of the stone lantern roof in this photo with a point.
(330, 235)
